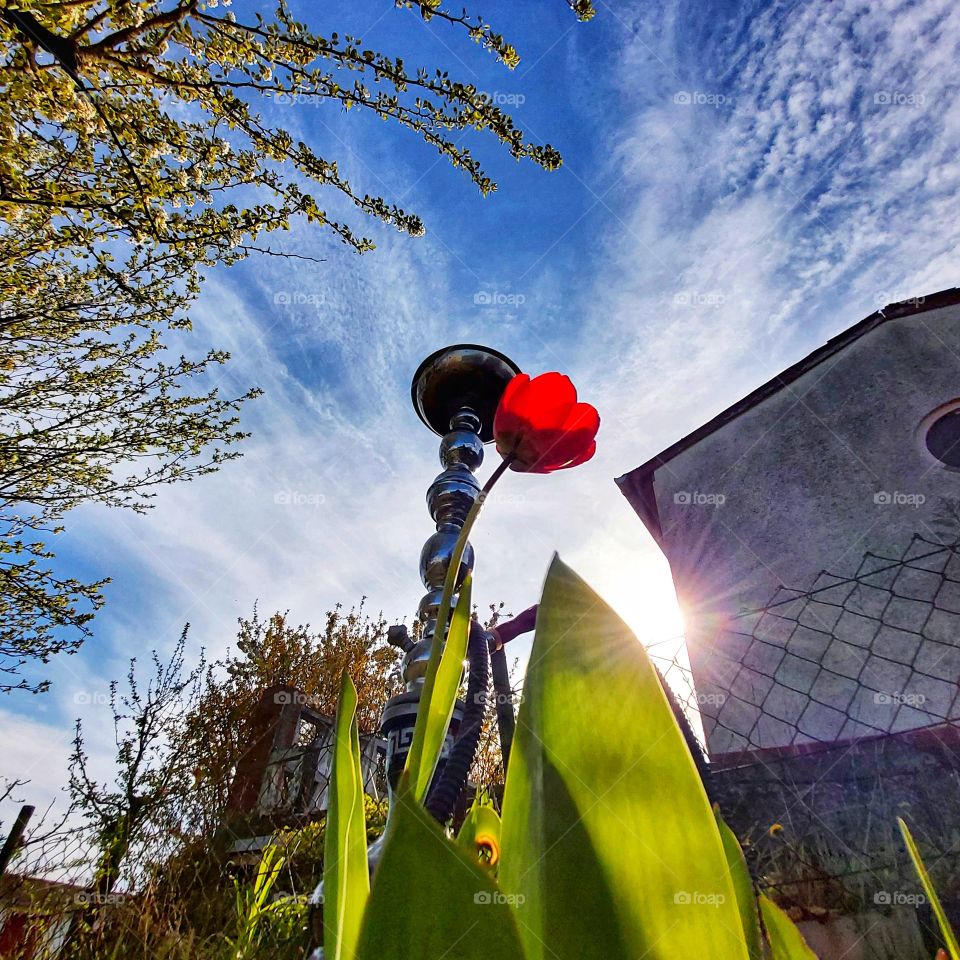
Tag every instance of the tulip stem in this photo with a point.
(488, 486)
(443, 620)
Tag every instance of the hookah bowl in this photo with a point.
(455, 392)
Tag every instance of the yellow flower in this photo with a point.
(488, 848)
(775, 829)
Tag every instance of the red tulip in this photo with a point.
(542, 427)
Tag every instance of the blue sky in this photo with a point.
(740, 183)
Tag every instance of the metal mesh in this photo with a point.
(847, 657)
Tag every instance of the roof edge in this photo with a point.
(632, 481)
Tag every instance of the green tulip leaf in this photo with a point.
(949, 937)
(440, 686)
(786, 941)
(346, 878)
(431, 899)
(607, 831)
(743, 888)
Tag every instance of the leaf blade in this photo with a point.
(452, 910)
(950, 938)
(743, 888)
(607, 830)
(346, 878)
(786, 941)
(439, 696)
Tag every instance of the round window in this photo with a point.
(943, 438)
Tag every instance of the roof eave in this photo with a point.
(632, 480)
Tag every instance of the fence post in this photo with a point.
(12, 842)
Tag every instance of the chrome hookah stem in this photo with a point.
(449, 499)
(450, 496)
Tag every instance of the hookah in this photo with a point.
(455, 392)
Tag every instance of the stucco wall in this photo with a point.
(824, 500)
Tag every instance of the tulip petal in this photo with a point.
(510, 402)
(528, 449)
(556, 448)
(552, 389)
(583, 416)
(542, 426)
(552, 417)
(583, 458)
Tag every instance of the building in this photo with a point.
(36, 915)
(812, 532)
(283, 775)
